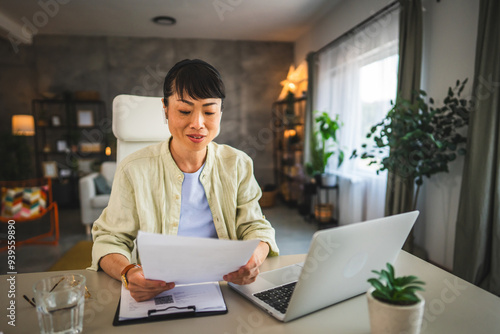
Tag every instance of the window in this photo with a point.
(378, 84)
(357, 79)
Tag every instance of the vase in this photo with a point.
(391, 319)
(328, 180)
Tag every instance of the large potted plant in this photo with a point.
(417, 140)
(394, 304)
(324, 145)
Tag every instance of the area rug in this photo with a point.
(78, 257)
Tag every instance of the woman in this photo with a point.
(187, 185)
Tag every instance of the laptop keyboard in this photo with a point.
(278, 297)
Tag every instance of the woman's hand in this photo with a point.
(249, 272)
(142, 289)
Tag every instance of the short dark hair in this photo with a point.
(197, 78)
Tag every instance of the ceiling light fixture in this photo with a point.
(164, 20)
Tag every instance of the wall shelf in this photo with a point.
(70, 137)
(288, 120)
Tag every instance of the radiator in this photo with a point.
(360, 198)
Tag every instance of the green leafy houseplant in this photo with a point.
(418, 139)
(396, 290)
(322, 150)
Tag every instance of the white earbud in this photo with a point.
(165, 119)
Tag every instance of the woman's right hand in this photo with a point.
(142, 289)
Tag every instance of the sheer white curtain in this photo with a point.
(357, 80)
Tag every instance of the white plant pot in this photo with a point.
(388, 319)
(328, 180)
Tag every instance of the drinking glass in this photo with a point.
(60, 301)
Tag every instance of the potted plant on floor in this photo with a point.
(395, 307)
(417, 140)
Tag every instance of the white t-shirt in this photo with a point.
(196, 218)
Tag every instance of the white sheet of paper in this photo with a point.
(186, 260)
(206, 297)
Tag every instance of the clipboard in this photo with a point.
(189, 312)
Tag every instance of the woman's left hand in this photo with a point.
(249, 272)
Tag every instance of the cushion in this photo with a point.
(101, 185)
(12, 201)
(19, 202)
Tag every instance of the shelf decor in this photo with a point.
(49, 169)
(90, 147)
(62, 146)
(65, 172)
(56, 121)
(85, 118)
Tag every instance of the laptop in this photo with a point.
(336, 268)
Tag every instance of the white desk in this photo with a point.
(452, 306)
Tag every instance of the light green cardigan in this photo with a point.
(146, 196)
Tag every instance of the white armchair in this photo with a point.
(92, 203)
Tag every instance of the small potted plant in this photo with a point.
(396, 306)
(323, 149)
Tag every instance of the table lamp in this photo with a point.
(23, 125)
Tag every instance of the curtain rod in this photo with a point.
(358, 26)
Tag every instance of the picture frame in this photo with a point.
(62, 146)
(65, 172)
(49, 169)
(85, 118)
(55, 120)
(85, 166)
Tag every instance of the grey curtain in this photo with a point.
(309, 121)
(477, 240)
(399, 195)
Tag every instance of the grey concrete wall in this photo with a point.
(251, 72)
(17, 82)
